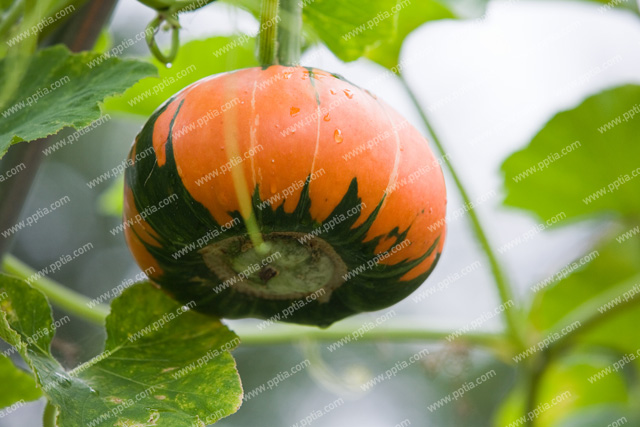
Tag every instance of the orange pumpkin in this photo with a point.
(348, 197)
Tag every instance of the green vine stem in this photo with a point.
(49, 416)
(533, 379)
(67, 299)
(76, 303)
(400, 332)
(268, 34)
(504, 289)
(289, 32)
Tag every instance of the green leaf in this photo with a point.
(196, 59)
(104, 42)
(416, 13)
(592, 177)
(372, 28)
(349, 29)
(376, 29)
(571, 374)
(619, 4)
(4, 4)
(153, 369)
(26, 324)
(614, 263)
(563, 391)
(597, 288)
(62, 89)
(23, 386)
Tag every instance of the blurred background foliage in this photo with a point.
(493, 85)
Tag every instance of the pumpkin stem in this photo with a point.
(289, 32)
(268, 32)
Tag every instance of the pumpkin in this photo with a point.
(347, 197)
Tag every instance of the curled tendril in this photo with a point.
(168, 11)
(152, 30)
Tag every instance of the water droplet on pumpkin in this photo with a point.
(337, 135)
(333, 92)
(327, 118)
(348, 93)
(168, 65)
(430, 210)
(273, 187)
(273, 160)
(294, 111)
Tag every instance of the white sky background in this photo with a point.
(492, 83)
